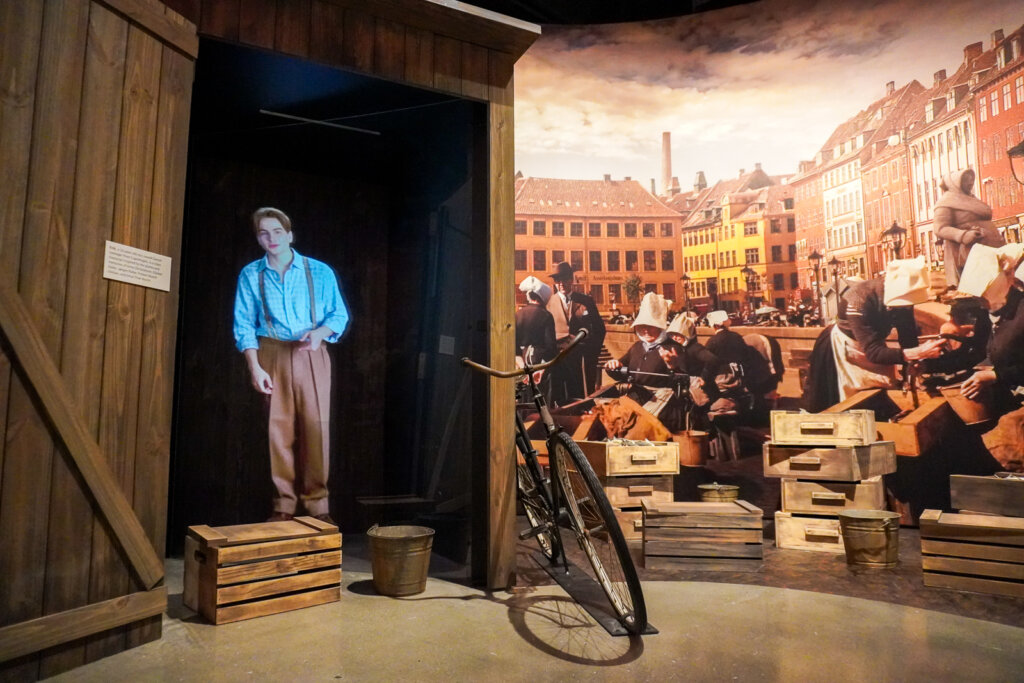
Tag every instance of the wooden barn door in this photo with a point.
(94, 109)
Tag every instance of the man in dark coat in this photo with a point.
(572, 312)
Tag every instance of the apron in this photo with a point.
(860, 375)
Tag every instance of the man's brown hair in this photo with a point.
(270, 212)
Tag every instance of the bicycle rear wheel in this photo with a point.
(538, 513)
(598, 532)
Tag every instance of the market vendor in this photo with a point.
(694, 360)
(643, 362)
(855, 353)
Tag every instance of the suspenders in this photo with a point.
(266, 309)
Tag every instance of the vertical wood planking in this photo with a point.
(327, 22)
(71, 514)
(25, 492)
(161, 313)
(389, 50)
(220, 18)
(475, 71)
(292, 34)
(448, 64)
(419, 57)
(19, 58)
(357, 41)
(256, 22)
(501, 501)
(122, 343)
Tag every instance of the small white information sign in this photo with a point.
(137, 266)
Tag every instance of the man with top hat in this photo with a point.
(577, 375)
(288, 307)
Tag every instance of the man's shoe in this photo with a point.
(280, 517)
(325, 518)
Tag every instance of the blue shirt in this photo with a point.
(288, 302)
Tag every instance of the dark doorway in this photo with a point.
(398, 215)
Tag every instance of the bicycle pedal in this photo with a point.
(531, 533)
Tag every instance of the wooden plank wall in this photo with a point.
(93, 124)
(440, 49)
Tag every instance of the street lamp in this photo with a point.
(1016, 154)
(686, 290)
(749, 274)
(894, 236)
(815, 260)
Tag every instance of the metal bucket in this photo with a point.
(694, 447)
(400, 556)
(871, 537)
(718, 493)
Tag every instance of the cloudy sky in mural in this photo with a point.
(765, 82)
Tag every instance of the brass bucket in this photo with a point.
(718, 493)
(400, 556)
(694, 447)
(871, 537)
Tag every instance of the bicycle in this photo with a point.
(572, 499)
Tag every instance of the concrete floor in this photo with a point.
(708, 632)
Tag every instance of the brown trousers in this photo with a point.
(298, 424)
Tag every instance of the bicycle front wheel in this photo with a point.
(598, 532)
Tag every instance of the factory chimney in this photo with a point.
(666, 162)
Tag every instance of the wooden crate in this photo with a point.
(805, 532)
(980, 553)
(631, 522)
(252, 570)
(917, 430)
(627, 492)
(990, 495)
(849, 428)
(611, 459)
(831, 497)
(703, 536)
(839, 463)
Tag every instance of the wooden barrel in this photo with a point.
(970, 411)
(694, 447)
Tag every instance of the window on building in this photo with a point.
(1018, 85)
(790, 224)
(595, 260)
(576, 260)
(614, 294)
(666, 230)
(792, 252)
(713, 267)
(787, 203)
(539, 260)
(594, 229)
(669, 289)
(752, 255)
(885, 175)
(794, 281)
(994, 104)
(651, 288)
(520, 259)
(779, 282)
(631, 261)
(985, 149)
(648, 229)
(668, 259)
(576, 229)
(997, 147)
(776, 225)
(650, 260)
(1006, 97)
(630, 229)
(750, 228)
(539, 228)
(613, 261)
(613, 229)
(520, 227)
(558, 229)
(597, 293)
(776, 253)
(557, 256)
(982, 110)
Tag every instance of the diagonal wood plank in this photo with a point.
(30, 353)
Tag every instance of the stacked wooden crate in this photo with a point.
(828, 463)
(252, 570)
(981, 548)
(631, 473)
(724, 536)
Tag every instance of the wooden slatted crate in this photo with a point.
(252, 570)
(979, 553)
(839, 463)
(849, 428)
(831, 497)
(807, 532)
(703, 536)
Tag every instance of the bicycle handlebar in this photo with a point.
(519, 372)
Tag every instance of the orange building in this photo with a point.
(609, 230)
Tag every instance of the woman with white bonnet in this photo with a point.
(644, 357)
(860, 357)
(961, 221)
(535, 328)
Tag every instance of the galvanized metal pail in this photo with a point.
(718, 493)
(871, 537)
(400, 556)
